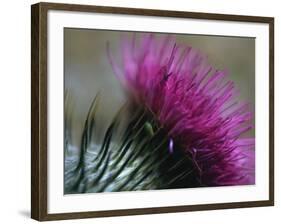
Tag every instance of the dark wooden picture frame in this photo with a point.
(39, 106)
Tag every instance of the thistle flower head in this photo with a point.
(195, 103)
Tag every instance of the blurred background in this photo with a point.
(87, 70)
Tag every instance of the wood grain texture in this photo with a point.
(38, 112)
(39, 204)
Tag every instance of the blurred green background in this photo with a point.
(87, 70)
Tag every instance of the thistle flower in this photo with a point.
(195, 104)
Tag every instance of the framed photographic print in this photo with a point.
(138, 111)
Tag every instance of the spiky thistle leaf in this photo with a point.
(138, 160)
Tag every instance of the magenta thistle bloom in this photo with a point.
(194, 103)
